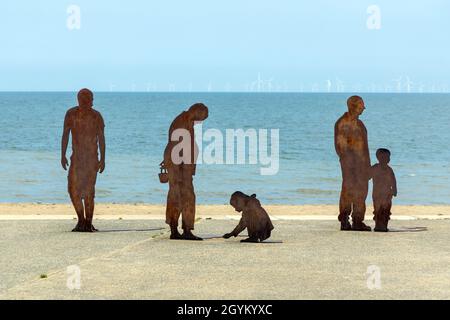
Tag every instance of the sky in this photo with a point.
(233, 45)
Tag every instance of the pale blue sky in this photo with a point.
(205, 45)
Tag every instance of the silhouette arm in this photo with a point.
(239, 228)
(371, 169)
(336, 140)
(394, 184)
(366, 144)
(102, 144)
(194, 150)
(191, 131)
(65, 142)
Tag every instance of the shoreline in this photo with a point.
(34, 211)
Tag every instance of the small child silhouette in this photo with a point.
(384, 188)
(254, 218)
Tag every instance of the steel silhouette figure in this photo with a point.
(181, 165)
(384, 188)
(254, 218)
(350, 138)
(87, 128)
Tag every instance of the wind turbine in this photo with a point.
(339, 85)
(357, 87)
(258, 84)
(408, 84)
(399, 83)
(421, 88)
(329, 86)
(302, 88)
(269, 84)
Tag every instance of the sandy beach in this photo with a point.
(157, 211)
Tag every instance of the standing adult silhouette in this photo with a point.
(87, 128)
(350, 139)
(180, 157)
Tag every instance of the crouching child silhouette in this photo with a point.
(254, 218)
(384, 188)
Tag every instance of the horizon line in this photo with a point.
(250, 92)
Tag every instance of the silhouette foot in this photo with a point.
(175, 235)
(188, 235)
(252, 240)
(381, 228)
(360, 226)
(90, 228)
(346, 226)
(79, 227)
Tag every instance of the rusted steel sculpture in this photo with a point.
(384, 188)
(254, 218)
(350, 138)
(87, 128)
(180, 158)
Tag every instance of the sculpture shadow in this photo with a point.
(408, 229)
(131, 230)
(210, 237)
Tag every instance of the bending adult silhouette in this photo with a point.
(180, 163)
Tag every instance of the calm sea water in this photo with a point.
(415, 127)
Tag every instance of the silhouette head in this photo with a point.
(198, 112)
(238, 200)
(85, 98)
(383, 156)
(355, 105)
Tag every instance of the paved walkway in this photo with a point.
(133, 259)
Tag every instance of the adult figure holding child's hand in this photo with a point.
(350, 139)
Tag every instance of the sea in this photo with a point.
(414, 127)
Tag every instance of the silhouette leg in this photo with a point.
(387, 216)
(264, 234)
(173, 208)
(79, 208)
(188, 205)
(378, 216)
(359, 210)
(172, 216)
(251, 239)
(188, 208)
(345, 209)
(89, 205)
(359, 190)
(382, 217)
